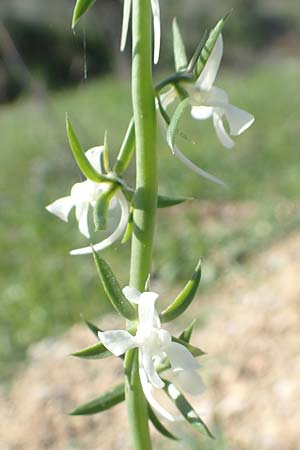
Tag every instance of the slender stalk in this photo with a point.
(146, 195)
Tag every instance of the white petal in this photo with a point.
(61, 207)
(94, 155)
(147, 363)
(187, 162)
(148, 316)
(201, 112)
(238, 119)
(82, 209)
(148, 391)
(168, 97)
(221, 132)
(132, 294)
(209, 73)
(125, 23)
(156, 27)
(188, 381)
(181, 358)
(117, 341)
(119, 231)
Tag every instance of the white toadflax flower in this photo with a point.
(209, 101)
(156, 26)
(154, 344)
(83, 196)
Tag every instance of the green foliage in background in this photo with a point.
(43, 289)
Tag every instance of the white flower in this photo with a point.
(154, 344)
(209, 101)
(83, 196)
(156, 26)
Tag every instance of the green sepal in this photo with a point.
(208, 47)
(184, 299)
(102, 403)
(100, 211)
(196, 55)
(195, 351)
(186, 409)
(96, 351)
(113, 290)
(126, 150)
(83, 163)
(159, 426)
(164, 201)
(129, 228)
(179, 51)
(186, 334)
(94, 329)
(105, 155)
(80, 8)
(173, 127)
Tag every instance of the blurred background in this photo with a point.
(247, 233)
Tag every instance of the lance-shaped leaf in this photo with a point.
(195, 351)
(113, 290)
(180, 57)
(184, 299)
(159, 426)
(197, 53)
(186, 409)
(126, 150)
(80, 8)
(173, 127)
(186, 334)
(100, 211)
(102, 403)
(129, 228)
(105, 155)
(83, 163)
(164, 201)
(209, 46)
(96, 351)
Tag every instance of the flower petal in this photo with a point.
(147, 364)
(117, 341)
(168, 97)
(132, 294)
(93, 155)
(221, 132)
(115, 235)
(156, 27)
(201, 112)
(188, 381)
(61, 207)
(148, 316)
(209, 73)
(180, 357)
(238, 119)
(82, 209)
(148, 391)
(125, 23)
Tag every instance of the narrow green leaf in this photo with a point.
(195, 351)
(129, 228)
(186, 409)
(179, 51)
(94, 329)
(80, 8)
(186, 334)
(100, 211)
(113, 290)
(173, 127)
(164, 201)
(102, 403)
(126, 150)
(105, 155)
(96, 351)
(209, 46)
(83, 163)
(184, 299)
(197, 53)
(159, 426)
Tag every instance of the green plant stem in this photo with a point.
(145, 202)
